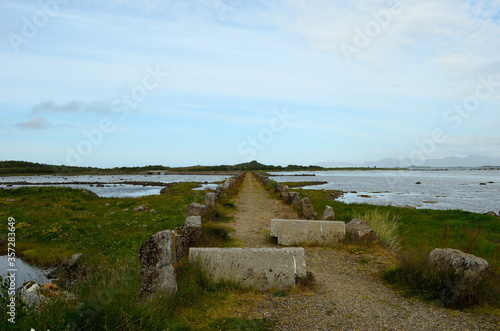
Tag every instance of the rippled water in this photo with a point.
(113, 184)
(453, 189)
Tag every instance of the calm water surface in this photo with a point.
(114, 186)
(25, 272)
(453, 189)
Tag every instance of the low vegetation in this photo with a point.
(54, 223)
(31, 168)
(27, 168)
(414, 233)
(387, 226)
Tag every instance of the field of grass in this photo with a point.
(414, 233)
(54, 223)
(425, 229)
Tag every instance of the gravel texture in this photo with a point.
(348, 292)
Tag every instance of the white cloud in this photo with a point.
(453, 34)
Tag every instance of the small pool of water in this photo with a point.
(24, 272)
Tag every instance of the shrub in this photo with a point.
(273, 185)
(386, 225)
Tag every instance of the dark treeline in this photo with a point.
(23, 167)
(252, 166)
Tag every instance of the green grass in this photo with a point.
(387, 226)
(110, 300)
(424, 229)
(415, 233)
(54, 223)
(237, 324)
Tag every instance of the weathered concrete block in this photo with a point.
(192, 228)
(181, 244)
(285, 191)
(219, 191)
(308, 209)
(210, 199)
(260, 268)
(158, 263)
(196, 209)
(294, 197)
(229, 183)
(294, 232)
(328, 214)
(360, 231)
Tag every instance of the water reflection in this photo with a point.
(470, 190)
(25, 272)
(113, 186)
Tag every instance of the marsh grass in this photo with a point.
(422, 229)
(54, 223)
(414, 233)
(109, 300)
(387, 226)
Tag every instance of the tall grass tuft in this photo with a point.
(387, 226)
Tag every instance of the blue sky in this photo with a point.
(126, 82)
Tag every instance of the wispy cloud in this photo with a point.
(35, 123)
(71, 107)
(454, 34)
(228, 76)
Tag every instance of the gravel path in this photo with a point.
(348, 293)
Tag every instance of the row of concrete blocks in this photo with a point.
(270, 268)
(305, 205)
(259, 268)
(161, 254)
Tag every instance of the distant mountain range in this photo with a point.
(450, 162)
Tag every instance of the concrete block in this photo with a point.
(210, 198)
(196, 209)
(260, 268)
(295, 232)
(192, 228)
(158, 263)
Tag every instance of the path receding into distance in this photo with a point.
(349, 293)
(255, 209)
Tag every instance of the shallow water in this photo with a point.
(114, 187)
(443, 190)
(24, 272)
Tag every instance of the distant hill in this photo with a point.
(451, 162)
(472, 161)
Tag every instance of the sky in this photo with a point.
(176, 83)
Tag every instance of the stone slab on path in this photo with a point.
(297, 232)
(259, 268)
